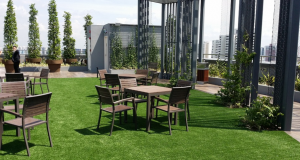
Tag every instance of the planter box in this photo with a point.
(122, 71)
(265, 90)
(215, 81)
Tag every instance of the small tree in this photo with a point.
(69, 42)
(34, 43)
(10, 31)
(117, 54)
(53, 32)
(88, 22)
(131, 59)
(234, 93)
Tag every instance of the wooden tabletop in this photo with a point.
(132, 75)
(152, 90)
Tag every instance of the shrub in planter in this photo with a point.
(262, 115)
(297, 84)
(34, 43)
(54, 50)
(69, 42)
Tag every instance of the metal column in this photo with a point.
(162, 51)
(139, 47)
(195, 40)
(257, 48)
(231, 48)
(201, 30)
(287, 45)
(178, 36)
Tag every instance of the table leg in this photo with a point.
(17, 110)
(148, 112)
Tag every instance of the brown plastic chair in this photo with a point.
(33, 106)
(127, 83)
(18, 87)
(43, 75)
(106, 97)
(152, 67)
(14, 77)
(151, 81)
(102, 73)
(179, 95)
(180, 83)
(113, 81)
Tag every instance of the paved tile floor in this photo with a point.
(208, 88)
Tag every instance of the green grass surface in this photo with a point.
(213, 131)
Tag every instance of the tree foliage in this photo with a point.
(88, 22)
(34, 43)
(117, 54)
(54, 49)
(68, 41)
(10, 30)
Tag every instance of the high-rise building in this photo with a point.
(215, 50)
(225, 17)
(206, 49)
(270, 52)
(44, 51)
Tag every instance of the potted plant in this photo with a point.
(69, 42)
(54, 52)
(34, 43)
(10, 37)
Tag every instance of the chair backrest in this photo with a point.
(183, 83)
(102, 73)
(154, 78)
(179, 95)
(18, 87)
(127, 83)
(104, 95)
(36, 105)
(112, 79)
(12, 77)
(142, 71)
(44, 73)
(152, 66)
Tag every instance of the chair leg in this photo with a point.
(1, 128)
(99, 119)
(25, 139)
(120, 114)
(47, 87)
(188, 109)
(28, 132)
(156, 113)
(112, 124)
(49, 135)
(134, 116)
(125, 116)
(186, 123)
(169, 120)
(41, 88)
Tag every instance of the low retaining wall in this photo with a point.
(63, 68)
(122, 71)
(262, 89)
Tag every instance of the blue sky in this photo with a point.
(112, 11)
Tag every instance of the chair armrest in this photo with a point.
(162, 100)
(124, 100)
(11, 112)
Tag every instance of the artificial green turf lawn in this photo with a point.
(213, 131)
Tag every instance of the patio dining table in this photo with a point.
(137, 76)
(7, 97)
(149, 91)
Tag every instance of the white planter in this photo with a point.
(265, 90)
(121, 71)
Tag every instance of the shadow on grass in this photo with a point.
(15, 147)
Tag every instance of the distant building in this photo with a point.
(225, 17)
(262, 52)
(215, 50)
(270, 51)
(44, 51)
(206, 50)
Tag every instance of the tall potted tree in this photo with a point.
(69, 42)
(54, 52)
(88, 22)
(10, 37)
(34, 43)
